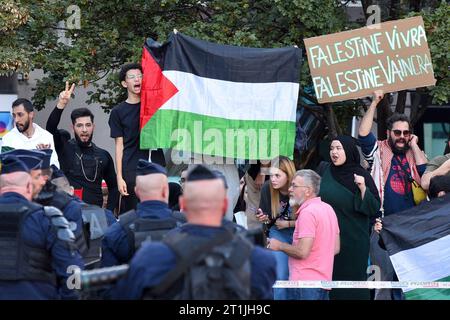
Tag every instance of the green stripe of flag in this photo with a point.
(429, 294)
(219, 137)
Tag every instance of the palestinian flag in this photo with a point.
(219, 100)
(418, 242)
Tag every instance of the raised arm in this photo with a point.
(367, 120)
(439, 171)
(55, 115)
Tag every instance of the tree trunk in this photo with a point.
(333, 126)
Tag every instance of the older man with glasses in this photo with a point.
(315, 240)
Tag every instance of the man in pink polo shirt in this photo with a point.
(316, 237)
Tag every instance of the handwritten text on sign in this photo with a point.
(352, 64)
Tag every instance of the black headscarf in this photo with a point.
(344, 173)
(174, 193)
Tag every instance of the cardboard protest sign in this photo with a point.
(391, 56)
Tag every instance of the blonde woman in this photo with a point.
(275, 211)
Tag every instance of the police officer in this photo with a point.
(95, 220)
(204, 202)
(33, 160)
(66, 203)
(36, 244)
(45, 192)
(150, 221)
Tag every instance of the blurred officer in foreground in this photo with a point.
(33, 159)
(150, 221)
(201, 259)
(69, 205)
(36, 244)
(95, 220)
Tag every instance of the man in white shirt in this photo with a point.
(26, 134)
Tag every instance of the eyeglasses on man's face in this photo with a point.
(398, 133)
(134, 76)
(293, 186)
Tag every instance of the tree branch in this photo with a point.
(317, 112)
(308, 96)
(333, 127)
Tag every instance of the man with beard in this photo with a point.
(393, 162)
(83, 163)
(316, 237)
(26, 134)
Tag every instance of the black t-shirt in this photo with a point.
(124, 122)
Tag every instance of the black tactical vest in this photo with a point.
(60, 200)
(142, 229)
(95, 225)
(207, 268)
(20, 261)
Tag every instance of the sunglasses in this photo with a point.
(398, 133)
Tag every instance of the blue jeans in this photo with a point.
(308, 294)
(284, 235)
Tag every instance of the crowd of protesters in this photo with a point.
(321, 225)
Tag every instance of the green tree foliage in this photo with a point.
(437, 25)
(113, 32)
(12, 17)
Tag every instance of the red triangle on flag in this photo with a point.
(156, 88)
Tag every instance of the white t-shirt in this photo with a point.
(18, 140)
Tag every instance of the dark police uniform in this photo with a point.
(150, 221)
(88, 222)
(169, 269)
(37, 248)
(36, 243)
(61, 200)
(154, 260)
(70, 207)
(118, 245)
(96, 221)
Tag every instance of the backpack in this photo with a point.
(206, 269)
